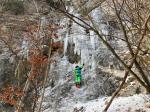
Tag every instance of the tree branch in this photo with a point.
(129, 45)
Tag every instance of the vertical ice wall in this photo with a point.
(85, 45)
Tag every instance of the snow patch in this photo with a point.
(120, 104)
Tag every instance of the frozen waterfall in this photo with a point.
(85, 44)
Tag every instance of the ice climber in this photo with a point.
(77, 75)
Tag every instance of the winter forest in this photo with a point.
(74, 55)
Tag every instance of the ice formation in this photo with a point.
(66, 42)
(43, 21)
(84, 43)
(24, 48)
(92, 39)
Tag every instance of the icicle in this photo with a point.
(66, 43)
(82, 56)
(92, 40)
(93, 67)
(87, 55)
(75, 50)
(78, 51)
(24, 48)
(76, 44)
(42, 25)
(43, 21)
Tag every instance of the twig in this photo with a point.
(45, 78)
(24, 90)
(126, 74)
(35, 4)
(129, 45)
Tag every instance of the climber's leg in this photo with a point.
(76, 79)
(78, 83)
(79, 80)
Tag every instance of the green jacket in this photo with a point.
(77, 73)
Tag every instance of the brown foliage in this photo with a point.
(11, 94)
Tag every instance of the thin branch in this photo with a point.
(76, 21)
(24, 90)
(121, 6)
(35, 4)
(118, 89)
(129, 45)
(45, 78)
(36, 92)
(125, 77)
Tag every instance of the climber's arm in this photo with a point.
(82, 66)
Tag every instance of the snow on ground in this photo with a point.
(136, 103)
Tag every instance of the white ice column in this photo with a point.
(25, 48)
(92, 39)
(93, 65)
(66, 42)
(84, 56)
(75, 41)
(43, 21)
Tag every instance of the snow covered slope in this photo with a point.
(136, 103)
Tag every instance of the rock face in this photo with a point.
(6, 77)
(72, 58)
(6, 72)
(86, 6)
